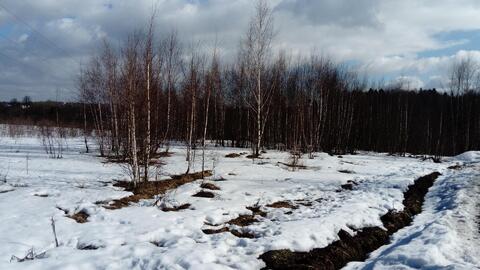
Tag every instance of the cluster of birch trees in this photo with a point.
(155, 90)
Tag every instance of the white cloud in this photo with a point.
(384, 36)
(23, 38)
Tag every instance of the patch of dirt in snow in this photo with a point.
(346, 171)
(80, 217)
(148, 190)
(176, 208)
(349, 185)
(243, 220)
(204, 194)
(282, 204)
(294, 166)
(233, 155)
(240, 221)
(355, 248)
(209, 186)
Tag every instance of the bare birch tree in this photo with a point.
(256, 52)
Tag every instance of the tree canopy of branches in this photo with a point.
(151, 91)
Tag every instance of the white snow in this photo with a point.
(143, 237)
(446, 235)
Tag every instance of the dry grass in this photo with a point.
(148, 190)
(209, 186)
(204, 194)
(80, 217)
(282, 204)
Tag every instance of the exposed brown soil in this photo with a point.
(233, 155)
(455, 167)
(176, 208)
(242, 234)
(237, 233)
(147, 190)
(349, 185)
(243, 220)
(204, 194)
(80, 217)
(304, 203)
(346, 171)
(354, 248)
(209, 186)
(296, 166)
(282, 204)
(253, 156)
(257, 211)
(215, 231)
(88, 247)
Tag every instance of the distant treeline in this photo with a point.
(394, 121)
(42, 113)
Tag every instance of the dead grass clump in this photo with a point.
(176, 208)
(233, 155)
(30, 256)
(209, 186)
(282, 204)
(243, 220)
(149, 189)
(204, 194)
(242, 234)
(80, 217)
(257, 211)
(253, 156)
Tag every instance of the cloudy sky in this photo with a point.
(43, 42)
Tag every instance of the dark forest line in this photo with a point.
(394, 121)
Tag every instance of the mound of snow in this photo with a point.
(470, 156)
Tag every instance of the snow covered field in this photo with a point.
(142, 236)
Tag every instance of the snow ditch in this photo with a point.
(355, 247)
